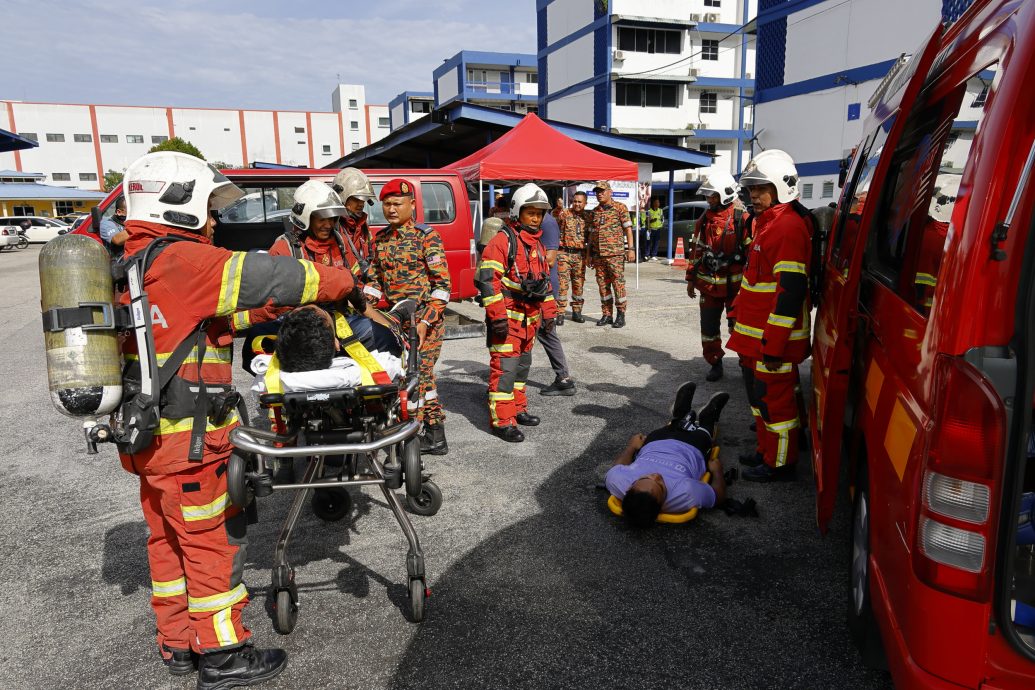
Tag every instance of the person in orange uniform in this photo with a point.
(716, 264)
(610, 246)
(196, 547)
(409, 262)
(513, 282)
(571, 258)
(773, 328)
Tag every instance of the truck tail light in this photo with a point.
(3, 231)
(955, 523)
(474, 254)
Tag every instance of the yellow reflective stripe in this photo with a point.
(213, 355)
(516, 315)
(494, 265)
(491, 300)
(711, 280)
(230, 284)
(312, 282)
(508, 283)
(803, 334)
(241, 321)
(784, 368)
(169, 588)
(224, 627)
(755, 412)
(759, 287)
(782, 426)
(518, 385)
(207, 511)
(217, 602)
(175, 426)
(777, 320)
(500, 396)
(926, 279)
(748, 330)
(789, 267)
(505, 347)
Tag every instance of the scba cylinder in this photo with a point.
(84, 365)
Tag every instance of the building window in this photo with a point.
(707, 148)
(531, 77)
(134, 138)
(87, 177)
(650, 40)
(980, 100)
(226, 129)
(355, 146)
(82, 138)
(326, 149)
(806, 190)
(159, 138)
(353, 104)
(299, 130)
(420, 106)
(354, 125)
(56, 138)
(62, 208)
(23, 211)
(828, 190)
(647, 94)
(61, 177)
(302, 143)
(713, 3)
(31, 136)
(709, 49)
(709, 103)
(109, 138)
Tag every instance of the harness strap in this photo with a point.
(371, 373)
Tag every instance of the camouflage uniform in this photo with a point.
(410, 262)
(607, 249)
(571, 258)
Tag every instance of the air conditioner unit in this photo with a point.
(695, 17)
(619, 55)
(694, 72)
(711, 18)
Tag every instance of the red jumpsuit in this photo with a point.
(499, 284)
(719, 235)
(196, 547)
(773, 327)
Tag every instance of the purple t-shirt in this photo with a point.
(679, 464)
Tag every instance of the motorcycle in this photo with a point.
(23, 241)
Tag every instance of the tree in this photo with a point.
(178, 144)
(112, 179)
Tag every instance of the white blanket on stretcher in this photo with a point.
(344, 373)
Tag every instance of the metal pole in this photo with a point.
(636, 236)
(481, 206)
(671, 211)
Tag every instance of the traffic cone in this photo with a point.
(679, 258)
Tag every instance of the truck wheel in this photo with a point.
(861, 622)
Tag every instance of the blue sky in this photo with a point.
(261, 54)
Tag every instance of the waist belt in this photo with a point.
(573, 249)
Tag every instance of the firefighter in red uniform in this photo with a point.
(513, 281)
(773, 327)
(356, 192)
(196, 547)
(932, 247)
(716, 264)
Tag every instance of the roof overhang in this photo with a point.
(9, 141)
(652, 21)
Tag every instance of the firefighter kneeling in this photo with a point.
(772, 329)
(514, 284)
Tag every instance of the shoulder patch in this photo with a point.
(426, 229)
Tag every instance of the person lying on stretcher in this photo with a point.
(309, 354)
(662, 471)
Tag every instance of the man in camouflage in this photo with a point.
(609, 235)
(571, 258)
(409, 261)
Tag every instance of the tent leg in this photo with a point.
(671, 212)
(636, 238)
(481, 204)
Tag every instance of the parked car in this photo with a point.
(923, 356)
(9, 237)
(686, 215)
(258, 219)
(38, 230)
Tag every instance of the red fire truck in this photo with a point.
(923, 367)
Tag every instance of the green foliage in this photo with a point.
(178, 144)
(112, 179)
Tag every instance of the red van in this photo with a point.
(923, 368)
(257, 220)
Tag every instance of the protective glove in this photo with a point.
(690, 291)
(357, 300)
(549, 325)
(771, 363)
(499, 327)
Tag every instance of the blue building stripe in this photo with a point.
(779, 9)
(856, 75)
(813, 168)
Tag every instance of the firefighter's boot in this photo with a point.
(433, 440)
(619, 320)
(180, 662)
(577, 316)
(240, 667)
(715, 373)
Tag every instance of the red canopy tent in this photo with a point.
(534, 150)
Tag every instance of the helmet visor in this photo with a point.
(328, 212)
(224, 194)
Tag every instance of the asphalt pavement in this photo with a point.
(534, 583)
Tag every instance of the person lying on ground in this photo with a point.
(662, 471)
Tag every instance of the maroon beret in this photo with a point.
(396, 187)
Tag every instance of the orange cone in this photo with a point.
(679, 258)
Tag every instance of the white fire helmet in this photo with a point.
(175, 189)
(528, 195)
(773, 167)
(352, 182)
(943, 200)
(315, 199)
(721, 183)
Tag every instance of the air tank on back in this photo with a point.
(84, 364)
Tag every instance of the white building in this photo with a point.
(676, 72)
(78, 144)
(819, 64)
(506, 81)
(410, 106)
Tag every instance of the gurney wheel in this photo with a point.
(237, 485)
(427, 502)
(418, 594)
(332, 505)
(411, 467)
(287, 613)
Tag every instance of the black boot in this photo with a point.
(708, 415)
(559, 321)
(750, 459)
(605, 320)
(433, 440)
(715, 373)
(240, 667)
(510, 434)
(684, 400)
(765, 474)
(560, 387)
(619, 320)
(577, 316)
(180, 662)
(525, 419)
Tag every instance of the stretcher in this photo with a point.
(369, 429)
(614, 504)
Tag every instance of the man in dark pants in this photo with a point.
(562, 384)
